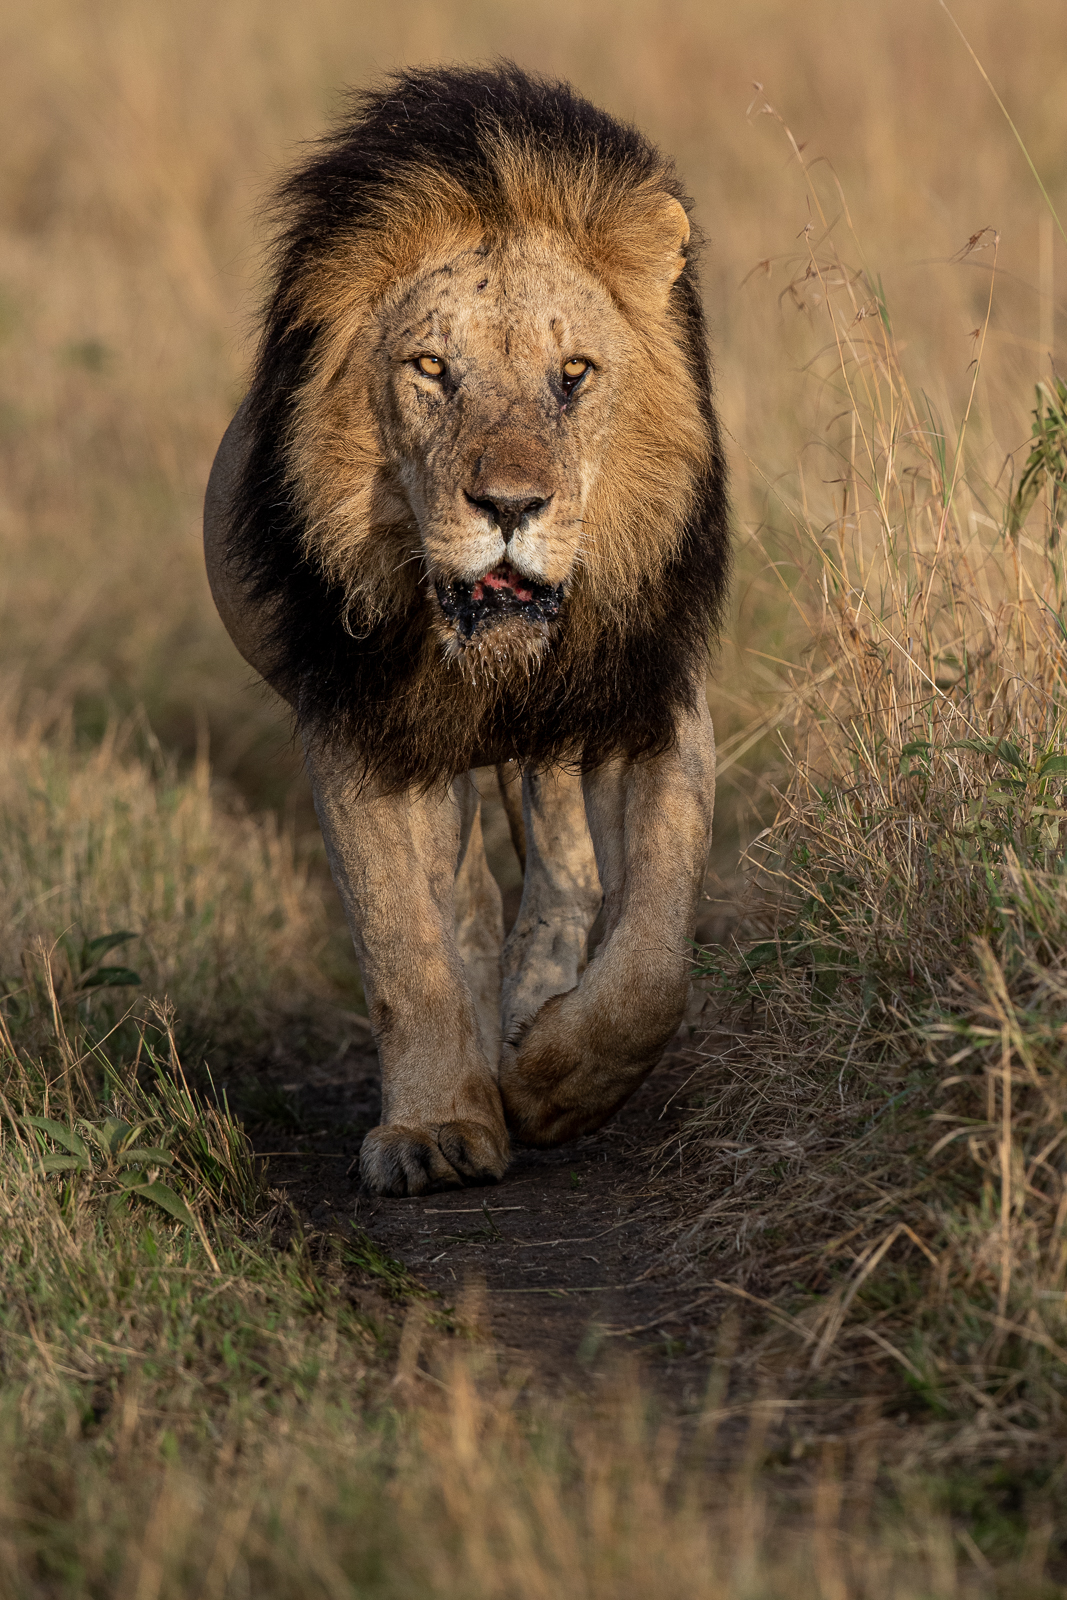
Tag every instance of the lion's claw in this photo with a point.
(474, 1151)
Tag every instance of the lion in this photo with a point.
(473, 513)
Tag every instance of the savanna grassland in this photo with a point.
(201, 1396)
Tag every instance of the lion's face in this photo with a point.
(498, 372)
(501, 419)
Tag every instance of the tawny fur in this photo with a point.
(507, 229)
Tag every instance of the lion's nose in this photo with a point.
(508, 510)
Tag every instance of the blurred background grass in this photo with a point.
(139, 141)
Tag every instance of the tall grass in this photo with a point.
(121, 877)
(888, 1089)
(199, 1398)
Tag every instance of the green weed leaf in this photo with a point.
(1046, 465)
(93, 949)
(1002, 749)
(147, 1156)
(163, 1196)
(770, 952)
(63, 1164)
(108, 1136)
(110, 978)
(61, 1134)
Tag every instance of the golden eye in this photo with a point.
(433, 366)
(575, 367)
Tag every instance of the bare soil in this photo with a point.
(569, 1246)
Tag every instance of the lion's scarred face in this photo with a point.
(453, 447)
(498, 371)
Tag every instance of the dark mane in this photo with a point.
(609, 688)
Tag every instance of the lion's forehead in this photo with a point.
(502, 302)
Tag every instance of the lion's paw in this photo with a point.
(400, 1160)
(555, 1084)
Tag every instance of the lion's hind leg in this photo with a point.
(545, 952)
(479, 921)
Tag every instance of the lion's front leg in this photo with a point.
(394, 858)
(587, 1050)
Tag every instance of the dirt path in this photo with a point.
(570, 1246)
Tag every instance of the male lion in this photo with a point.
(473, 512)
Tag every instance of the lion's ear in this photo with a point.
(671, 232)
(640, 249)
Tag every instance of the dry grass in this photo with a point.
(222, 1405)
(881, 1157)
(114, 865)
(199, 1398)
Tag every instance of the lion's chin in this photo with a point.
(499, 650)
(497, 622)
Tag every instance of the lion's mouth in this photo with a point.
(497, 596)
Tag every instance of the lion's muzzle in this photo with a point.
(507, 512)
(495, 598)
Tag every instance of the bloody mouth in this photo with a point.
(497, 596)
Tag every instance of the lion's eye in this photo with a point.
(433, 366)
(575, 368)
